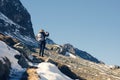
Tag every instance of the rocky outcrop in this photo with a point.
(14, 10)
(55, 47)
(14, 44)
(5, 66)
(63, 49)
(8, 40)
(69, 48)
(23, 49)
(113, 67)
(16, 22)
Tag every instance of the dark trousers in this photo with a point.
(42, 47)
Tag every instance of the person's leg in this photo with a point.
(43, 47)
(40, 48)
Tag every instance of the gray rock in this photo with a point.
(14, 10)
(5, 67)
(15, 21)
(51, 61)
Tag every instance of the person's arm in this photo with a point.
(47, 34)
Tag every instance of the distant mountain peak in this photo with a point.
(83, 54)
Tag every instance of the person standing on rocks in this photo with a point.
(41, 38)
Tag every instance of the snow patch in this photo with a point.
(70, 54)
(48, 71)
(6, 51)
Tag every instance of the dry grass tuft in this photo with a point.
(32, 74)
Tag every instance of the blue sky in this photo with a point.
(90, 25)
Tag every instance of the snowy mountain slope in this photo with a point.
(80, 67)
(6, 51)
(45, 70)
(16, 12)
(14, 30)
(15, 21)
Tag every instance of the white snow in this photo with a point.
(6, 51)
(70, 55)
(48, 71)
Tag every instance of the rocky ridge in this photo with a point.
(15, 21)
(75, 68)
(79, 68)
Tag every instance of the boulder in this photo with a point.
(8, 40)
(5, 67)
